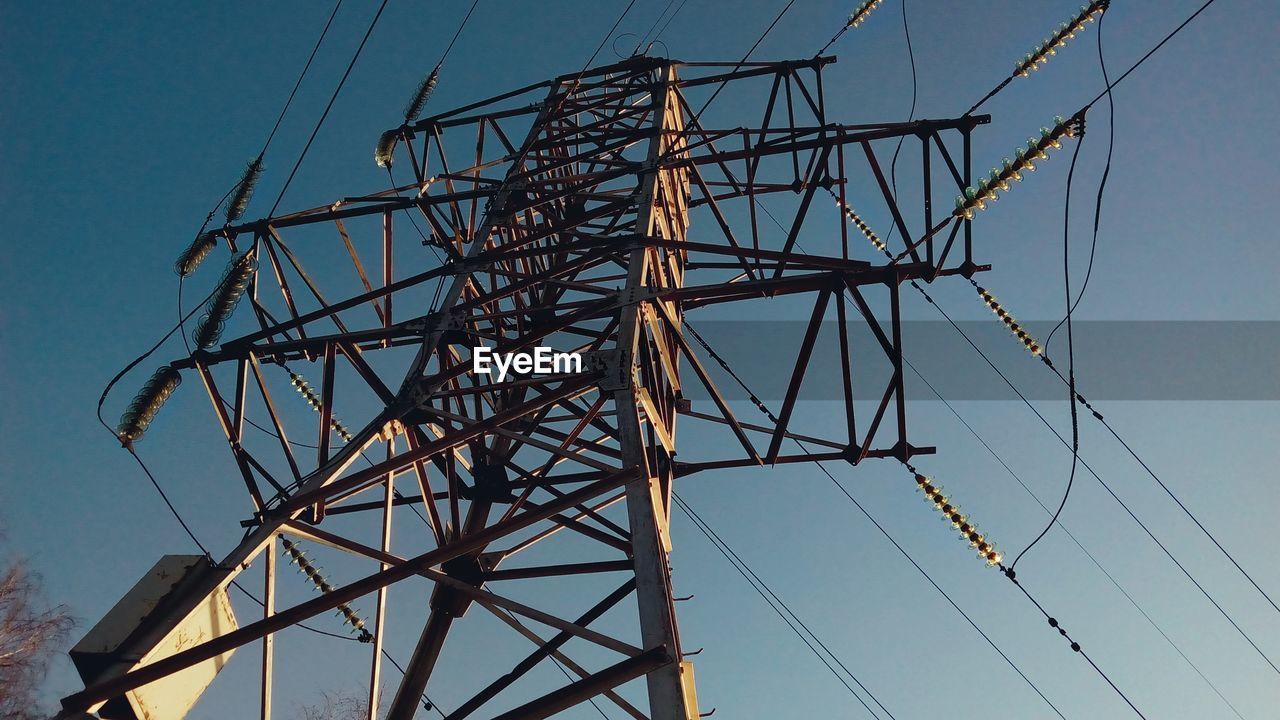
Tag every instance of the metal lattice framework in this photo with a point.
(567, 225)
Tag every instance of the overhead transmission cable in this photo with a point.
(769, 414)
(1041, 53)
(987, 552)
(325, 114)
(652, 27)
(203, 243)
(1014, 327)
(1107, 93)
(1102, 184)
(737, 65)
(1071, 358)
(665, 25)
(1105, 486)
(780, 607)
(1092, 558)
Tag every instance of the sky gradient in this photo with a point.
(122, 124)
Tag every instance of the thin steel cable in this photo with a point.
(1168, 491)
(270, 136)
(893, 165)
(324, 115)
(1151, 52)
(761, 589)
(656, 20)
(414, 221)
(174, 511)
(1088, 273)
(1071, 359)
(1106, 487)
(1075, 646)
(1016, 477)
(574, 86)
(755, 45)
(1101, 568)
(937, 587)
(1102, 184)
(666, 24)
(196, 540)
(288, 102)
(764, 409)
(458, 32)
(1118, 80)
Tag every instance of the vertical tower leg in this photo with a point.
(647, 497)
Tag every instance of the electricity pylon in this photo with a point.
(566, 225)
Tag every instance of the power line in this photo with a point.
(324, 115)
(656, 20)
(1151, 621)
(928, 298)
(1071, 358)
(663, 29)
(1104, 484)
(737, 65)
(458, 32)
(771, 598)
(1069, 380)
(301, 75)
(764, 409)
(1075, 646)
(1102, 184)
(1151, 52)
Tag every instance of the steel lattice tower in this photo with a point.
(566, 225)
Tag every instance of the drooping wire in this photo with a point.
(771, 598)
(209, 557)
(324, 115)
(765, 410)
(169, 504)
(656, 20)
(1102, 184)
(1107, 93)
(1104, 485)
(1071, 358)
(102, 399)
(893, 165)
(1152, 51)
(1018, 478)
(427, 702)
(1030, 343)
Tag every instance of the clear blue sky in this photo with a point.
(122, 123)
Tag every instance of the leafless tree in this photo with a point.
(30, 634)
(335, 706)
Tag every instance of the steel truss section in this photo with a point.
(565, 224)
